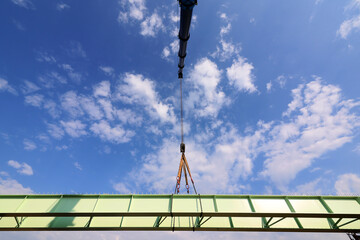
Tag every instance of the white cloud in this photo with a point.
(165, 53)
(174, 32)
(134, 9)
(268, 86)
(137, 8)
(74, 128)
(107, 149)
(73, 75)
(11, 186)
(318, 121)
(174, 16)
(158, 169)
(101, 106)
(128, 116)
(240, 75)
(281, 80)
(71, 104)
(151, 25)
(52, 108)
(353, 4)
(154, 130)
(62, 6)
(113, 134)
(51, 79)
(107, 107)
(63, 147)
(206, 99)
(4, 174)
(123, 17)
(140, 90)
(226, 50)
(75, 49)
(5, 87)
(150, 22)
(45, 57)
(109, 71)
(78, 105)
(136, 89)
(97, 107)
(172, 49)
(91, 108)
(224, 16)
(35, 100)
(357, 149)
(348, 26)
(121, 188)
(174, 46)
(24, 3)
(310, 188)
(43, 137)
(21, 168)
(102, 89)
(194, 21)
(19, 25)
(55, 131)
(29, 145)
(352, 24)
(29, 87)
(78, 166)
(66, 67)
(348, 184)
(225, 29)
(233, 157)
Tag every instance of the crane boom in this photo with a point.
(186, 9)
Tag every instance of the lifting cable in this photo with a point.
(181, 114)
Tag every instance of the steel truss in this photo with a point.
(180, 213)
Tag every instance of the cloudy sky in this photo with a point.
(89, 99)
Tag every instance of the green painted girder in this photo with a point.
(180, 213)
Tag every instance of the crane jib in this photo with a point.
(186, 8)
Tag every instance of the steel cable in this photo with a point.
(181, 113)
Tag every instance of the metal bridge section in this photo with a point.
(180, 213)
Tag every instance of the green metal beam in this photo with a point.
(180, 213)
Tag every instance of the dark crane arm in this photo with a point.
(186, 9)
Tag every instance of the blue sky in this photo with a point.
(89, 97)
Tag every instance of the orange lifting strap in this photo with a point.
(184, 167)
